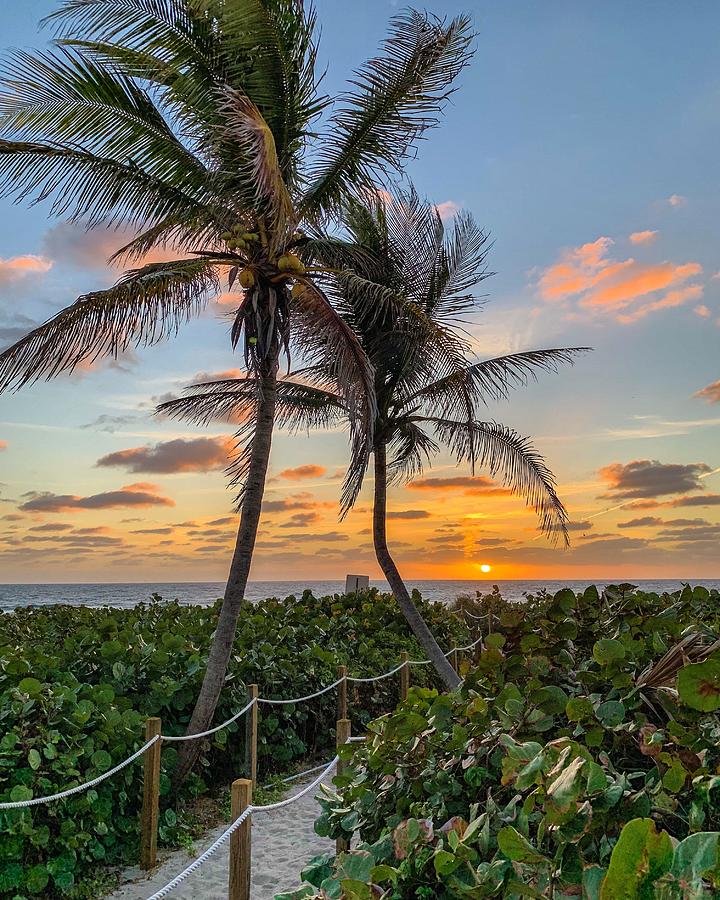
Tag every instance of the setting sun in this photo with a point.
(485, 568)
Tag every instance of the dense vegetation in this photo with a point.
(76, 685)
(581, 757)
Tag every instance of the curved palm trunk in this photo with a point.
(397, 586)
(222, 644)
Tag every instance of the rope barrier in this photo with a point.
(215, 846)
(193, 737)
(377, 677)
(19, 804)
(301, 699)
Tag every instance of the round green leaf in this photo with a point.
(34, 759)
(608, 650)
(611, 713)
(36, 879)
(699, 685)
(578, 708)
(101, 760)
(30, 686)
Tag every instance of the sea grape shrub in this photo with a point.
(77, 683)
(578, 719)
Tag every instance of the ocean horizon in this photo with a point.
(127, 594)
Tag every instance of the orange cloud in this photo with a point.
(643, 237)
(588, 277)
(18, 267)
(447, 210)
(169, 457)
(3, 445)
(140, 494)
(711, 393)
(206, 377)
(469, 484)
(302, 472)
(676, 200)
(702, 311)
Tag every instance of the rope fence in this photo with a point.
(238, 831)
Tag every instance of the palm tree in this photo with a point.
(194, 123)
(411, 282)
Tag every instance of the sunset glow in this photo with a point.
(614, 247)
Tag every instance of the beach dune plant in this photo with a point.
(403, 281)
(200, 125)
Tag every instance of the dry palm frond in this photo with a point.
(695, 646)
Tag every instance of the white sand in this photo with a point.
(283, 841)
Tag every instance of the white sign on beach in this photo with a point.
(354, 583)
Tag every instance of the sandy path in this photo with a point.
(283, 841)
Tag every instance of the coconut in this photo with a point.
(252, 340)
(290, 263)
(226, 235)
(238, 229)
(250, 236)
(298, 290)
(246, 278)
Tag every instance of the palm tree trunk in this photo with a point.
(222, 643)
(397, 586)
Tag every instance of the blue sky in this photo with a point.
(576, 126)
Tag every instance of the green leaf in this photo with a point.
(20, 792)
(517, 847)
(36, 879)
(608, 650)
(445, 862)
(30, 686)
(674, 778)
(611, 713)
(592, 880)
(101, 760)
(699, 685)
(578, 708)
(698, 856)
(495, 641)
(34, 759)
(641, 856)
(10, 876)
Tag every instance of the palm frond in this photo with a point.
(326, 339)
(512, 457)
(300, 407)
(410, 447)
(146, 306)
(460, 268)
(61, 97)
(398, 95)
(192, 51)
(469, 386)
(258, 164)
(87, 187)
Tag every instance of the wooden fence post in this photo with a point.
(342, 734)
(342, 706)
(478, 651)
(454, 659)
(240, 841)
(151, 796)
(251, 735)
(404, 675)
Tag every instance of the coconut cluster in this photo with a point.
(239, 238)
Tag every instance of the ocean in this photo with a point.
(129, 593)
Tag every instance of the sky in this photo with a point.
(584, 137)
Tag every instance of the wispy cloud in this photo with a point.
(643, 237)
